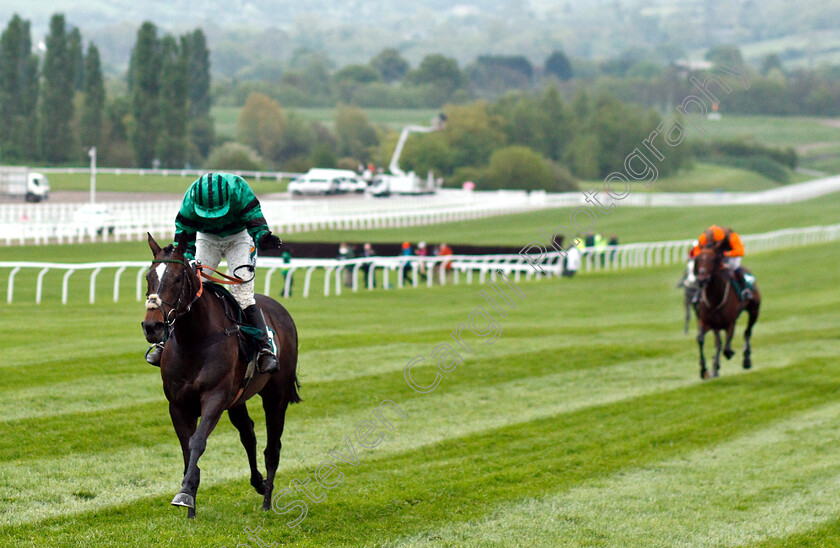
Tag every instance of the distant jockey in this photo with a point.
(733, 250)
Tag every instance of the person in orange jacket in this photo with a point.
(733, 250)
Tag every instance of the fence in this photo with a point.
(340, 275)
(53, 223)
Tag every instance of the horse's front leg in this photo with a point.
(752, 309)
(184, 423)
(701, 336)
(211, 411)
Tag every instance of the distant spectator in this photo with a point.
(445, 250)
(571, 263)
(346, 252)
(589, 240)
(422, 251)
(601, 247)
(287, 259)
(368, 251)
(405, 267)
(613, 242)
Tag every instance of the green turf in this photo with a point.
(392, 118)
(174, 184)
(629, 224)
(584, 423)
(705, 178)
(771, 130)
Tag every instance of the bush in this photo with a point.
(763, 165)
(518, 167)
(236, 157)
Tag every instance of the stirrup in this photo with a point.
(267, 361)
(153, 354)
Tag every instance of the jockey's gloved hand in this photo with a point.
(270, 241)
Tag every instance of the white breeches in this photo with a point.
(240, 253)
(733, 263)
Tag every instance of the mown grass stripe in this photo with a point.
(457, 413)
(782, 478)
(412, 491)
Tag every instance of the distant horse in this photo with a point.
(203, 368)
(688, 283)
(719, 308)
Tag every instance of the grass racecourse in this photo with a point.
(578, 419)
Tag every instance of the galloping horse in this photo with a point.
(719, 308)
(203, 369)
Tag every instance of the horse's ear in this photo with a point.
(181, 241)
(153, 244)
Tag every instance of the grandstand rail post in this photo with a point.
(11, 288)
(93, 276)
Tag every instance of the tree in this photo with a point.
(390, 64)
(56, 132)
(261, 125)
(559, 66)
(439, 72)
(198, 68)
(495, 74)
(356, 137)
(93, 107)
(201, 128)
(144, 71)
(19, 87)
(474, 133)
(75, 53)
(171, 143)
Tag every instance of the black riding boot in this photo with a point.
(154, 353)
(266, 360)
(746, 292)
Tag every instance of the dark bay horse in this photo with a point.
(719, 308)
(202, 368)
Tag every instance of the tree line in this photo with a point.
(54, 106)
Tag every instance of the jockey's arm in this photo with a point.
(736, 245)
(185, 225)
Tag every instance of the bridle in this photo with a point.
(705, 284)
(171, 312)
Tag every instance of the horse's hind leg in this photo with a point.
(716, 366)
(211, 412)
(730, 332)
(242, 421)
(275, 416)
(752, 309)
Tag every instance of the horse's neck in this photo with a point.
(196, 324)
(716, 289)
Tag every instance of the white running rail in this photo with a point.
(388, 272)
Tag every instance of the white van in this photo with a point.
(327, 181)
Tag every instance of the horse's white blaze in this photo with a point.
(160, 269)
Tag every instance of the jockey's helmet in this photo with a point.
(211, 195)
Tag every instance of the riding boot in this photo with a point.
(154, 353)
(746, 292)
(266, 360)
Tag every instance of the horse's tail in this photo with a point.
(294, 384)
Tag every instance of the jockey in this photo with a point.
(221, 217)
(733, 250)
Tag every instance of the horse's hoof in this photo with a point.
(747, 364)
(704, 374)
(183, 499)
(259, 486)
(728, 353)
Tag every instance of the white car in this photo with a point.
(307, 184)
(95, 219)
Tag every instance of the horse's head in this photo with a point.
(707, 263)
(172, 286)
